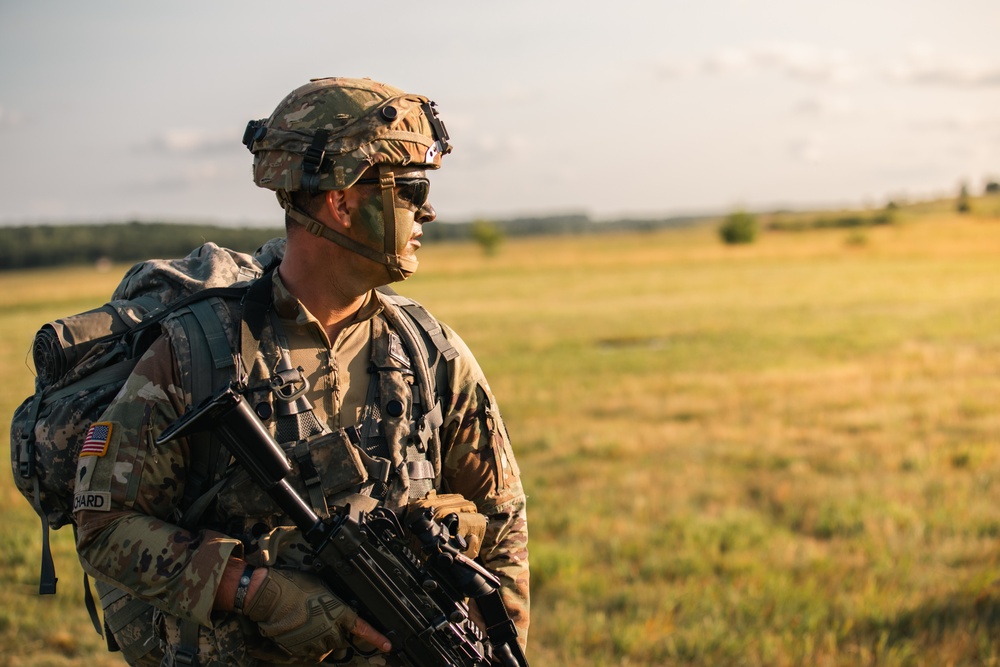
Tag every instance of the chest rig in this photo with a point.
(390, 457)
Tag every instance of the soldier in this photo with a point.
(219, 564)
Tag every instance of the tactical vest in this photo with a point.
(390, 457)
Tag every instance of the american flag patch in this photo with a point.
(96, 442)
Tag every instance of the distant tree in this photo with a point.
(488, 236)
(962, 204)
(887, 215)
(738, 227)
(992, 187)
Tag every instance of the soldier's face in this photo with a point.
(412, 208)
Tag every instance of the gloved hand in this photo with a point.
(299, 613)
(461, 517)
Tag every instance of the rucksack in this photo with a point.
(82, 361)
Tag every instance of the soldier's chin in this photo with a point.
(407, 267)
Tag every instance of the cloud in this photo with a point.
(919, 65)
(809, 63)
(191, 142)
(923, 65)
(796, 60)
(825, 104)
(727, 60)
(961, 121)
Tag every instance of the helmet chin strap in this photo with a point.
(398, 267)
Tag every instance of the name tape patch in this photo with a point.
(96, 442)
(98, 502)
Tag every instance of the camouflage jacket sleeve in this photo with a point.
(134, 542)
(478, 462)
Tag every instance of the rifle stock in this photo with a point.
(417, 603)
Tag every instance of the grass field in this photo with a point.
(776, 454)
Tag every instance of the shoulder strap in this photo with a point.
(257, 301)
(211, 349)
(209, 346)
(149, 326)
(425, 368)
(423, 319)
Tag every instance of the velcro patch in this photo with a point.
(93, 501)
(98, 437)
(396, 350)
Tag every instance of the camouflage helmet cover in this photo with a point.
(325, 134)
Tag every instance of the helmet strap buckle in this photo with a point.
(315, 227)
(312, 161)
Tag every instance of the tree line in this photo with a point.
(37, 246)
(61, 245)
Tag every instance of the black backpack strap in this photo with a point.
(212, 356)
(26, 468)
(88, 595)
(209, 347)
(48, 578)
(219, 348)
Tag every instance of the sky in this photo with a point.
(114, 110)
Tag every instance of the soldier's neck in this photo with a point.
(333, 302)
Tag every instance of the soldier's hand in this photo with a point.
(299, 613)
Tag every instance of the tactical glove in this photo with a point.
(459, 515)
(300, 614)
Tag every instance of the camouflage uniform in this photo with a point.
(137, 545)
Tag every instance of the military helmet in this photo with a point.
(325, 134)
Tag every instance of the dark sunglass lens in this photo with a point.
(416, 192)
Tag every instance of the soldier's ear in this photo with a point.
(335, 206)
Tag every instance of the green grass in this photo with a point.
(778, 454)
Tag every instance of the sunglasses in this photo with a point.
(412, 189)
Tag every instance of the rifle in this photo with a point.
(417, 603)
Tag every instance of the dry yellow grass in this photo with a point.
(779, 454)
